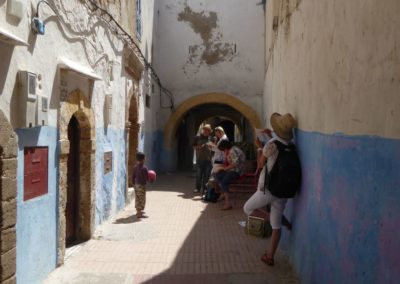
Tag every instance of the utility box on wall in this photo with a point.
(41, 110)
(35, 172)
(27, 99)
(33, 107)
(107, 162)
(107, 111)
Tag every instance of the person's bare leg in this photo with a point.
(227, 204)
(275, 238)
(268, 257)
(286, 223)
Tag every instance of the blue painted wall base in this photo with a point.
(346, 219)
(37, 218)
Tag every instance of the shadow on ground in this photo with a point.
(216, 249)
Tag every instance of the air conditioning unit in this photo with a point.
(27, 99)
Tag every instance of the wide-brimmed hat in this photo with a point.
(283, 125)
(219, 128)
(207, 126)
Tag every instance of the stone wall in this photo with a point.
(8, 194)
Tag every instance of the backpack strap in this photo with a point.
(280, 147)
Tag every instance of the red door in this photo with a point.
(72, 208)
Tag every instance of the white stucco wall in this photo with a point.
(195, 49)
(339, 74)
(80, 36)
(148, 115)
(66, 37)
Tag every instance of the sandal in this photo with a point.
(267, 259)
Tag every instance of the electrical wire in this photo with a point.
(132, 44)
(48, 4)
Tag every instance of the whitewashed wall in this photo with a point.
(79, 36)
(195, 49)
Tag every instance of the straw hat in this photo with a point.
(283, 125)
(207, 126)
(220, 129)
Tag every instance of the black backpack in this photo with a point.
(284, 179)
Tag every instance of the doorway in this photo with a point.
(133, 136)
(72, 207)
(77, 172)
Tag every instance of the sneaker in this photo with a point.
(196, 191)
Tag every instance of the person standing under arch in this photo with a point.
(203, 158)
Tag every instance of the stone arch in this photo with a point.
(133, 128)
(218, 98)
(77, 105)
(8, 196)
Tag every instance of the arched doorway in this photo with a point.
(133, 128)
(77, 155)
(211, 98)
(216, 109)
(8, 195)
(72, 207)
(229, 119)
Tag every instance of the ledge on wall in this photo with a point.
(9, 38)
(86, 71)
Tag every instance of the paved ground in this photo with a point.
(183, 240)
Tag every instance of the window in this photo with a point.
(139, 19)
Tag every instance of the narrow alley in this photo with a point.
(183, 240)
(97, 97)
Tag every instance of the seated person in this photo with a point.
(232, 169)
(219, 156)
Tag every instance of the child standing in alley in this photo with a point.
(140, 175)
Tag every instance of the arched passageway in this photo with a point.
(222, 115)
(214, 108)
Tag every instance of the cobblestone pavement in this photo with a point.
(182, 240)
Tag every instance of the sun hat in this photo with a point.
(207, 126)
(283, 125)
(219, 128)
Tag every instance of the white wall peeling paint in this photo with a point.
(339, 76)
(187, 30)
